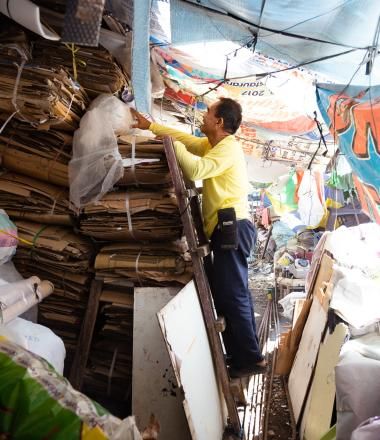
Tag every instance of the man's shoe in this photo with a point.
(236, 373)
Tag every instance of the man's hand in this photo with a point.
(140, 121)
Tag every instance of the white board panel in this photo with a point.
(154, 386)
(306, 356)
(184, 330)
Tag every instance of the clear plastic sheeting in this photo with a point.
(97, 164)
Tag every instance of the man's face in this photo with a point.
(209, 120)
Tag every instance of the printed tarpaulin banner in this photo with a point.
(279, 103)
(353, 117)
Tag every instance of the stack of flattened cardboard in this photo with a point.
(46, 96)
(14, 43)
(26, 198)
(110, 364)
(96, 71)
(132, 216)
(64, 258)
(43, 155)
(144, 161)
(159, 264)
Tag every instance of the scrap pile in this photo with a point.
(341, 303)
(135, 230)
(142, 227)
(41, 105)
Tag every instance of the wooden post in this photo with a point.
(85, 337)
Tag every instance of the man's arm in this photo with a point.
(212, 164)
(194, 144)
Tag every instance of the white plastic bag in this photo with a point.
(97, 164)
(289, 301)
(310, 207)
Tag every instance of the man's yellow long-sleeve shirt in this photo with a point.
(222, 169)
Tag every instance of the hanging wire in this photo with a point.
(274, 31)
(266, 74)
(309, 19)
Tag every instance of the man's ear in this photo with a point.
(220, 122)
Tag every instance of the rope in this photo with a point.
(74, 51)
(22, 240)
(137, 268)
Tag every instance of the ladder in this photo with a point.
(199, 248)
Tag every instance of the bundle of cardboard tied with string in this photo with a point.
(64, 258)
(143, 264)
(144, 161)
(46, 97)
(43, 155)
(92, 67)
(133, 216)
(26, 198)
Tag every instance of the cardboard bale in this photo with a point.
(57, 254)
(144, 162)
(46, 97)
(43, 155)
(23, 197)
(133, 216)
(96, 70)
(154, 264)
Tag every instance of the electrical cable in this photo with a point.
(263, 75)
(310, 19)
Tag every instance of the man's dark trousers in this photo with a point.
(229, 284)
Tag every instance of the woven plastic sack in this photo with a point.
(97, 164)
(8, 238)
(40, 403)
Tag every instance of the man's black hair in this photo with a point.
(230, 111)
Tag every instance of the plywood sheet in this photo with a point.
(324, 273)
(306, 356)
(184, 330)
(319, 406)
(154, 386)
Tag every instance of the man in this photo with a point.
(218, 160)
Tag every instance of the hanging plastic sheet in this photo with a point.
(352, 114)
(282, 194)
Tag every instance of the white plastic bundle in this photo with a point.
(97, 164)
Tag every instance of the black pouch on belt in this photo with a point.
(227, 224)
